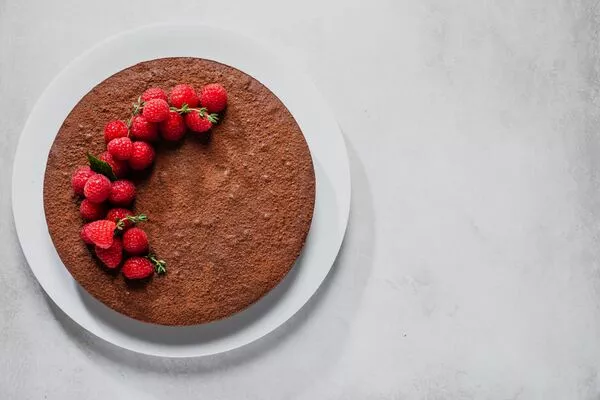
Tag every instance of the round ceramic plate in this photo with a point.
(306, 105)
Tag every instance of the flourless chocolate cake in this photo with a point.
(228, 210)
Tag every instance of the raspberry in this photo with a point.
(156, 110)
(213, 97)
(92, 211)
(101, 233)
(112, 256)
(197, 123)
(183, 94)
(122, 193)
(116, 214)
(115, 129)
(154, 93)
(83, 235)
(137, 268)
(79, 178)
(135, 241)
(142, 156)
(142, 129)
(97, 188)
(120, 148)
(120, 168)
(173, 128)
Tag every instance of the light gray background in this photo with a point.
(471, 266)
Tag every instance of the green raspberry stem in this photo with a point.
(136, 108)
(185, 109)
(132, 218)
(160, 266)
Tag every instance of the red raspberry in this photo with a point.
(120, 148)
(92, 211)
(101, 233)
(197, 123)
(97, 188)
(115, 214)
(83, 235)
(80, 177)
(135, 241)
(154, 93)
(120, 168)
(183, 94)
(213, 97)
(142, 156)
(115, 129)
(112, 256)
(122, 193)
(156, 110)
(173, 128)
(137, 268)
(142, 129)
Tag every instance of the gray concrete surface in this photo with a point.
(471, 265)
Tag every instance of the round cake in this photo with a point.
(229, 210)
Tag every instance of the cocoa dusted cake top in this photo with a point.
(179, 191)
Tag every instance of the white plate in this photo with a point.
(308, 108)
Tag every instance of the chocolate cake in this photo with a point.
(229, 211)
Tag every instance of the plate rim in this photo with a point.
(123, 36)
